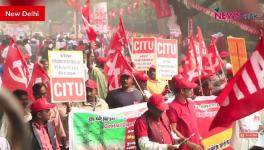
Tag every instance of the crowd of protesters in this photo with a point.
(169, 122)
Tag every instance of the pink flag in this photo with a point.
(91, 34)
(115, 66)
(243, 95)
(38, 76)
(15, 74)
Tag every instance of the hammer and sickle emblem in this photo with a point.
(22, 79)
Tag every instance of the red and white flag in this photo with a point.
(243, 95)
(91, 34)
(200, 39)
(211, 61)
(129, 7)
(136, 4)
(190, 68)
(119, 39)
(115, 66)
(74, 4)
(16, 73)
(38, 76)
(162, 8)
(122, 12)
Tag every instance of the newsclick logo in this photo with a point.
(234, 15)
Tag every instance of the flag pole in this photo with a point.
(141, 91)
(222, 69)
(129, 50)
(197, 65)
(200, 82)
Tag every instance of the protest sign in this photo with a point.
(167, 58)
(110, 129)
(238, 52)
(163, 53)
(67, 76)
(99, 17)
(143, 50)
(206, 109)
(114, 128)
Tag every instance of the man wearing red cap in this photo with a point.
(142, 79)
(152, 129)
(43, 133)
(40, 91)
(182, 115)
(93, 102)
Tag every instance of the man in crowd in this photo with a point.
(42, 132)
(40, 91)
(207, 87)
(249, 125)
(142, 79)
(93, 102)
(182, 115)
(152, 129)
(22, 97)
(45, 64)
(153, 85)
(96, 73)
(126, 95)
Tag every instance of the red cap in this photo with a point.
(91, 84)
(127, 73)
(181, 82)
(101, 60)
(26, 56)
(128, 59)
(41, 104)
(152, 67)
(229, 70)
(224, 54)
(141, 76)
(157, 101)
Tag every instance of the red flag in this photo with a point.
(15, 74)
(115, 66)
(162, 8)
(136, 4)
(119, 39)
(122, 12)
(114, 14)
(190, 67)
(22, 3)
(200, 39)
(74, 4)
(243, 95)
(145, 3)
(129, 9)
(38, 76)
(91, 34)
(212, 61)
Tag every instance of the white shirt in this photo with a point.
(4, 145)
(251, 124)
